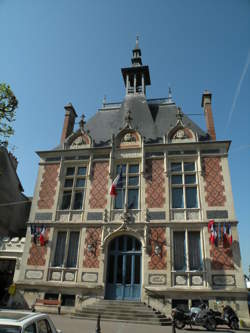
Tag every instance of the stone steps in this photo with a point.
(130, 312)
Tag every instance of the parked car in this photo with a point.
(13, 321)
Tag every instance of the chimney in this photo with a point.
(69, 121)
(206, 104)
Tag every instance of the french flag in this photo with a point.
(230, 237)
(42, 236)
(224, 234)
(113, 187)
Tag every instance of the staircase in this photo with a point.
(123, 311)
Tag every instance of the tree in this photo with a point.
(8, 105)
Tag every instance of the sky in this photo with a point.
(60, 51)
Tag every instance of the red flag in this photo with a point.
(210, 224)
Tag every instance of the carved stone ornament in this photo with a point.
(78, 142)
(128, 138)
(180, 134)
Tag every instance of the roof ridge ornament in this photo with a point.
(128, 118)
(169, 94)
(179, 116)
(104, 101)
(82, 122)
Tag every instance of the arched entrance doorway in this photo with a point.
(123, 278)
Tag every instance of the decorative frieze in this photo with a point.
(34, 274)
(43, 217)
(94, 216)
(157, 279)
(181, 280)
(91, 277)
(223, 280)
(217, 214)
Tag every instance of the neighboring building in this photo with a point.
(150, 242)
(14, 213)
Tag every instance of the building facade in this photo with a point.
(14, 213)
(168, 236)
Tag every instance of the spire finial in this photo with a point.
(82, 122)
(136, 59)
(137, 42)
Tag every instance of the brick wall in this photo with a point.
(93, 238)
(155, 183)
(99, 185)
(48, 186)
(214, 187)
(221, 257)
(157, 237)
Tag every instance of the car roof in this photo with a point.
(19, 318)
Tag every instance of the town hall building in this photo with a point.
(168, 234)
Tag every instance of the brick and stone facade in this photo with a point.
(153, 236)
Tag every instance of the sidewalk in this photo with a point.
(72, 325)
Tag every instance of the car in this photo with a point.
(15, 321)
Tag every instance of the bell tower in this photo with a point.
(136, 77)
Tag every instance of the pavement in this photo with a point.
(73, 325)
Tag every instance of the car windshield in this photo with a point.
(10, 329)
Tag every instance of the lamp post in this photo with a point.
(98, 327)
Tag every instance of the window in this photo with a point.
(66, 249)
(44, 326)
(184, 185)
(74, 188)
(184, 189)
(68, 300)
(187, 251)
(30, 329)
(128, 186)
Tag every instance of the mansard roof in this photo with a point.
(152, 118)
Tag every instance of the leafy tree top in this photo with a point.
(8, 105)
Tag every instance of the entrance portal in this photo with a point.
(124, 269)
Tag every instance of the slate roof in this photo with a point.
(152, 119)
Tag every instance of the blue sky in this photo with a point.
(55, 52)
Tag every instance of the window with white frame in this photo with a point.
(184, 187)
(187, 254)
(66, 251)
(128, 186)
(74, 188)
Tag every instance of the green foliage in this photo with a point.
(8, 105)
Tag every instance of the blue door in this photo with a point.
(124, 269)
